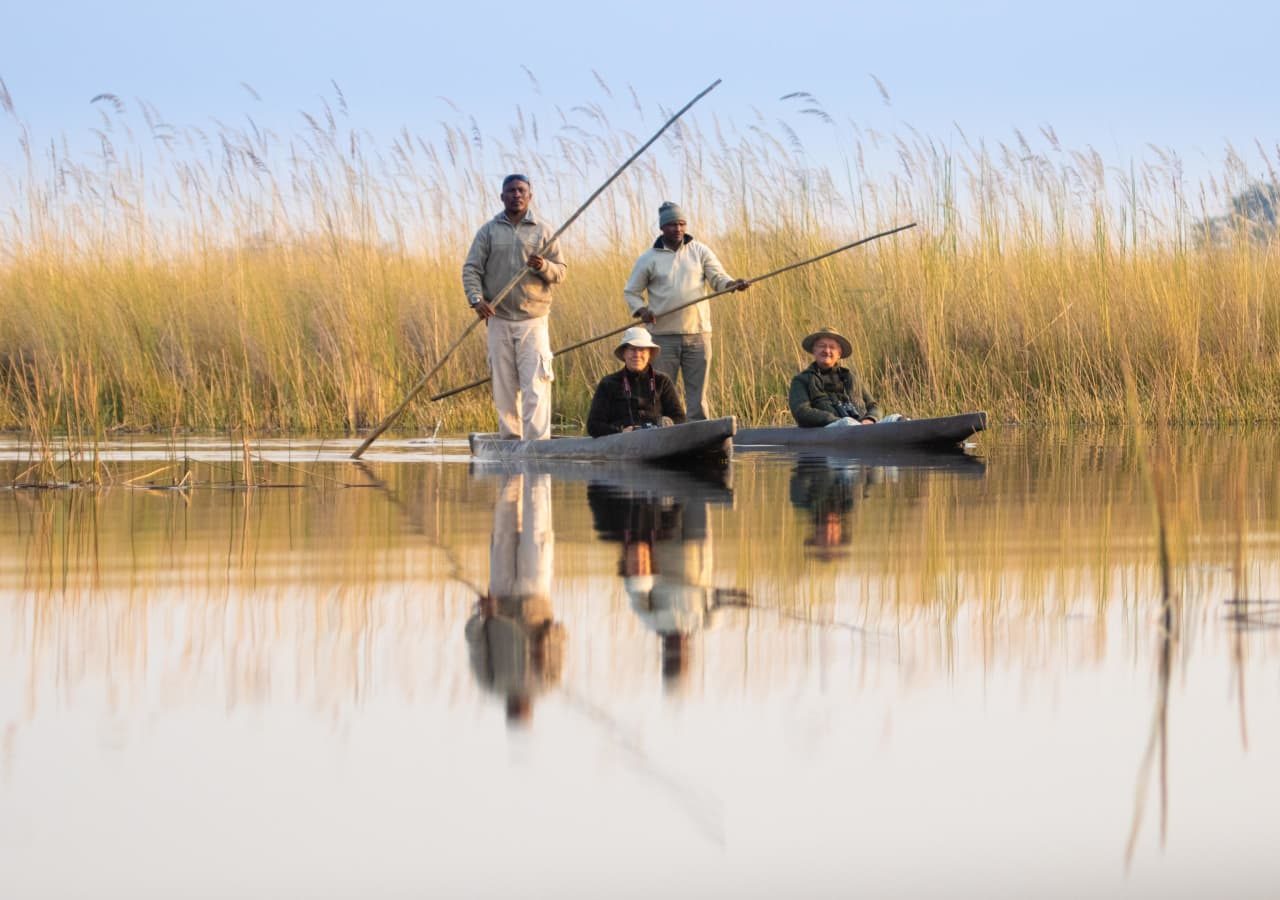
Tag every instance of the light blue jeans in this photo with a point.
(687, 355)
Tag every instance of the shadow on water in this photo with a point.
(1155, 758)
(516, 645)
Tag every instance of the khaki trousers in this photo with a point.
(522, 546)
(520, 363)
(690, 356)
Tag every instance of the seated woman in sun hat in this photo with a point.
(827, 393)
(636, 396)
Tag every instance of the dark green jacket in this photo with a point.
(815, 397)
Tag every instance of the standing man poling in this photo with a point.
(519, 344)
(677, 270)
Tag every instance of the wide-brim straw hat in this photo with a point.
(636, 336)
(846, 348)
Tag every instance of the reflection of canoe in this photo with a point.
(691, 442)
(712, 483)
(938, 459)
(946, 431)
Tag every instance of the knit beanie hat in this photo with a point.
(668, 212)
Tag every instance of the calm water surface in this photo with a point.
(951, 675)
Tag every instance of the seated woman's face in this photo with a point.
(636, 358)
(826, 352)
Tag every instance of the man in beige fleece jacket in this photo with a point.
(674, 271)
(519, 344)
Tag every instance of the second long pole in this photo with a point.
(621, 328)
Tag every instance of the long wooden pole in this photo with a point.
(787, 268)
(502, 294)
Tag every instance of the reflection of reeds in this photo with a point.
(1239, 575)
(1155, 467)
(962, 571)
(238, 278)
(198, 591)
(1251, 615)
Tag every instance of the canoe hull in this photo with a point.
(946, 431)
(690, 443)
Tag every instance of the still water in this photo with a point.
(951, 675)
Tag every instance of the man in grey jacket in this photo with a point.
(675, 271)
(512, 242)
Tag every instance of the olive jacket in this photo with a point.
(817, 395)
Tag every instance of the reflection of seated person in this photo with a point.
(666, 564)
(516, 646)
(828, 493)
(828, 394)
(637, 395)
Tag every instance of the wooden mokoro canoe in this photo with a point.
(690, 443)
(946, 431)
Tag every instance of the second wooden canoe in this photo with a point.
(945, 431)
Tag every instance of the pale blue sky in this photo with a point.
(1186, 76)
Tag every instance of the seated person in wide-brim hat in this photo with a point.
(828, 393)
(637, 395)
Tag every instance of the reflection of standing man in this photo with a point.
(517, 649)
(519, 345)
(676, 270)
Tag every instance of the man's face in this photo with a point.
(826, 352)
(673, 233)
(515, 198)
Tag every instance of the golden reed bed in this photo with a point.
(235, 279)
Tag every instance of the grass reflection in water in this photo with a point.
(798, 607)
